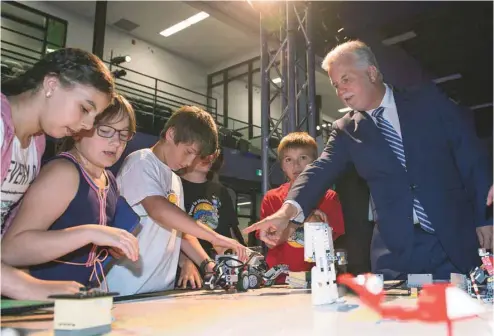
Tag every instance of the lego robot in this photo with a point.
(229, 273)
(480, 282)
(319, 249)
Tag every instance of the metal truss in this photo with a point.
(289, 24)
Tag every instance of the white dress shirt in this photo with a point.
(391, 115)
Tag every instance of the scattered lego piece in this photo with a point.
(459, 280)
(419, 280)
(298, 280)
(480, 283)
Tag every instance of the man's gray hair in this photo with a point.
(361, 51)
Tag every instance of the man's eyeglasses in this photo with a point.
(106, 131)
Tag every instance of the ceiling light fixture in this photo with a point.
(184, 24)
(277, 80)
(399, 38)
(476, 107)
(120, 59)
(447, 78)
(244, 203)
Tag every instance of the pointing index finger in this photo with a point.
(252, 228)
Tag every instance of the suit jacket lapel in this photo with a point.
(363, 126)
(367, 131)
(406, 118)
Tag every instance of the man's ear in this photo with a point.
(373, 73)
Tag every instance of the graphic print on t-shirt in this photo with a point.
(19, 176)
(297, 238)
(172, 197)
(206, 212)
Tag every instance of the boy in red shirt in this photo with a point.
(297, 150)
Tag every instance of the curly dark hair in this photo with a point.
(70, 66)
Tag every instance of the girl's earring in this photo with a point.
(48, 94)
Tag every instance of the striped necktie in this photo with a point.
(394, 141)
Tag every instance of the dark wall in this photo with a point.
(237, 165)
(361, 18)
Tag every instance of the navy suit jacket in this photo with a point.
(447, 170)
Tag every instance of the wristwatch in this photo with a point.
(204, 263)
(299, 218)
(295, 222)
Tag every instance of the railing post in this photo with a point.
(155, 102)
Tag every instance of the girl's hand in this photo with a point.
(121, 240)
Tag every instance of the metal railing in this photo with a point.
(153, 99)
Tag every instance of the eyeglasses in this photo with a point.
(106, 131)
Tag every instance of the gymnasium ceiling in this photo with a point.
(451, 37)
(207, 43)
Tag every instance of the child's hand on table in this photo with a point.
(189, 274)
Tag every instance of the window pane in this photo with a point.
(24, 36)
(17, 36)
(56, 32)
(244, 205)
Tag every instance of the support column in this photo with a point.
(284, 72)
(99, 28)
(265, 110)
(311, 72)
(292, 54)
(297, 89)
(225, 98)
(301, 78)
(250, 98)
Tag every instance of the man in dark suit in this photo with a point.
(353, 193)
(427, 175)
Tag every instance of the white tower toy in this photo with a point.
(319, 249)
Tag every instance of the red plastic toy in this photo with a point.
(436, 303)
